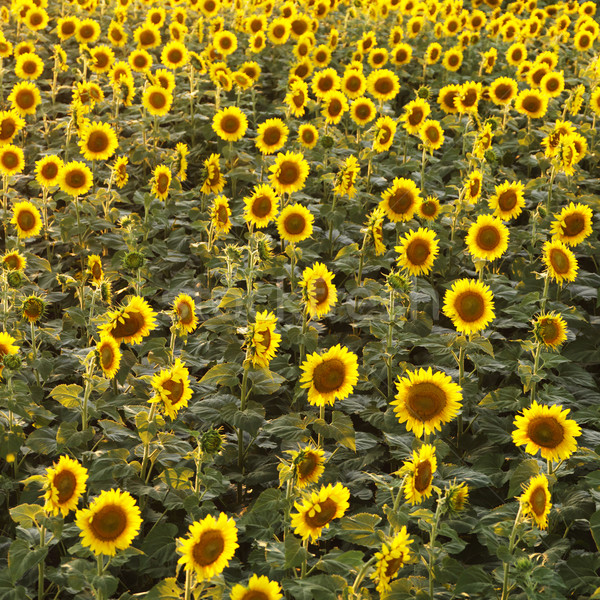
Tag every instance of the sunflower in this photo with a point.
(325, 81)
(230, 124)
(551, 330)
(546, 429)
(346, 178)
(329, 376)
(363, 111)
(210, 545)
(33, 308)
(12, 160)
(432, 135)
(385, 130)
(295, 223)
(535, 501)
(102, 59)
(172, 388)
(7, 342)
(353, 83)
(65, 483)
(318, 510)
(289, 172)
(29, 66)
(583, 40)
(220, 214)
(140, 61)
(14, 261)
(117, 35)
(560, 261)
(209, 8)
(259, 588)
(516, 54)
(415, 113)
(308, 135)
(573, 224)
(75, 178)
(425, 400)
(508, 200)
(383, 84)
(109, 356)
(184, 311)
(147, 36)
(453, 59)
(392, 557)
(429, 208)
(321, 56)
(531, 103)
(95, 269)
(447, 98)
(26, 218)
(419, 474)
(400, 200)
(279, 31)
(10, 124)
(467, 101)
(553, 84)
(98, 141)
(308, 465)
(119, 170)
(470, 305)
(320, 293)
(161, 181)
(265, 340)
(66, 27)
(174, 55)
(487, 238)
(503, 90)
(47, 170)
(417, 251)
(130, 323)
(25, 98)
(401, 54)
(297, 98)
(262, 206)
(257, 42)
(214, 181)
(334, 107)
(157, 100)
(271, 136)
(110, 523)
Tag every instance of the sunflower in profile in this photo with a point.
(75, 178)
(230, 124)
(472, 188)
(560, 261)
(14, 261)
(531, 103)
(546, 429)
(65, 483)
(157, 100)
(573, 224)
(265, 340)
(419, 472)
(109, 356)
(417, 251)
(10, 124)
(161, 181)
(119, 170)
(210, 545)
(258, 588)
(363, 111)
(426, 400)
(289, 172)
(220, 215)
(550, 329)
(320, 293)
(130, 323)
(308, 135)
(394, 554)
(213, 180)
(295, 223)
(400, 200)
(535, 501)
(262, 206)
(318, 510)
(165, 79)
(117, 35)
(308, 465)
(470, 305)
(98, 141)
(271, 136)
(94, 269)
(174, 55)
(385, 130)
(47, 170)
(429, 208)
(110, 523)
(172, 388)
(487, 238)
(27, 220)
(508, 200)
(12, 160)
(184, 311)
(415, 113)
(383, 84)
(503, 91)
(329, 376)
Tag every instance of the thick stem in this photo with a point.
(461, 376)
(322, 417)
(100, 566)
(361, 574)
(511, 547)
(34, 352)
(147, 442)
(536, 364)
(423, 162)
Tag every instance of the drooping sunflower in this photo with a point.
(220, 215)
(184, 311)
(271, 136)
(415, 113)
(98, 141)
(432, 135)
(109, 356)
(419, 474)
(573, 224)
(65, 483)
(392, 557)
(230, 124)
(426, 400)
(295, 223)
(258, 588)
(262, 206)
(29, 66)
(320, 293)
(385, 130)
(161, 181)
(531, 103)
(417, 251)
(329, 376)
(110, 523)
(550, 329)
(289, 172)
(400, 200)
(308, 135)
(27, 220)
(308, 465)
(508, 200)
(487, 238)
(383, 84)
(75, 178)
(12, 160)
(157, 100)
(560, 261)
(546, 429)
(265, 340)
(210, 545)
(318, 510)
(503, 90)
(130, 323)
(117, 35)
(174, 55)
(214, 181)
(10, 124)
(447, 98)
(470, 305)
(172, 388)
(47, 170)
(14, 261)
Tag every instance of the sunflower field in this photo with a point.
(299, 299)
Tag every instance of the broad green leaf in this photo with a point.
(222, 374)
(167, 589)
(295, 553)
(22, 558)
(361, 529)
(67, 395)
(26, 514)
(595, 528)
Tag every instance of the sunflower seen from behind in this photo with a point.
(417, 251)
(65, 483)
(535, 501)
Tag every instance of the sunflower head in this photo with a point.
(65, 483)
(26, 219)
(108, 355)
(172, 388)
(184, 313)
(470, 305)
(550, 329)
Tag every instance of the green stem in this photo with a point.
(511, 547)
(398, 496)
(34, 352)
(172, 342)
(431, 546)
(147, 442)
(545, 293)
(423, 161)
(240, 432)
(304, 328)
(550, 186)
(361, 575)
(293, 267)
(536, 364)
(303, 570)
(100, 563)
(41, 565)
(322, 417)
(188, 585)
(461, 376)
(389, 343)
(86, 396)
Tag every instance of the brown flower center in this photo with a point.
(417, 252)
(517, 55)
(98, 141)
(254, 595)
(75, 179)
(416, 116)
(261, 206)
(432, 134)
(208, 548)
(449, 99)
(532, 104)
(26, 220)
(469, 98)
(488, 237)
(470, 306)
(86, 32)
(162, 183)
(329, 375)
(266, 338)
(65, 482)
(453, 60)
(295, 224)
(289, 172)
(423, 475)
(133, 323)
(325, 84)
(49, 171)
(140, 61)
(546, 432)
(174, 390)
(225, 43)
(353, 83)
(549, 331)
(507, 200)
(222, 216)
(362, 111)
(109, 523)
(68, 28)
(29, 67)
(10, 159)
(384, 85)
(538, 501)
(334, 108)
(503, 91)
(272, 135)
(185, 313)
(299, 26)
(7, 129)
(559, 261)
(325, 515)
(573, 225)
(308, 465)
(175, 56)
(393, 565)
(401, 200)
(25, 99)
(425, 401)
(231, 124)
(308, 136)
(320, 290)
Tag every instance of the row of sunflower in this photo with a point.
(233, 416)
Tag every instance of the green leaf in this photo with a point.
(341, 562)
(595, 528)
(167, 589)
(22, 558)
(295, 553)
(264, 382)
(26, 514)
(522, 474)
(341, 429)
(67, 395)
(360, 529)
(222, 374)
(105, 584)
(42, 441)
(474, 580)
